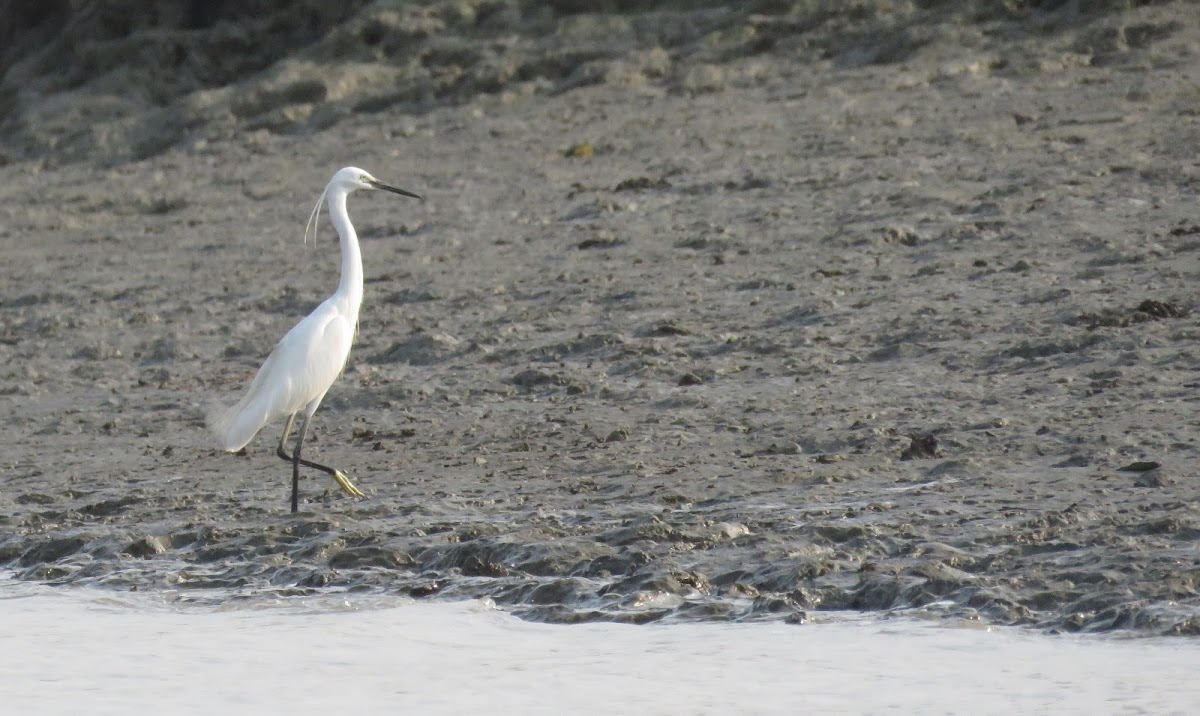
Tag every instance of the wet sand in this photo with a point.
(708, 315)
(311, 656)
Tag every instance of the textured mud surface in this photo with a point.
(714, 314)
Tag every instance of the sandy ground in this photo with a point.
(708, 314)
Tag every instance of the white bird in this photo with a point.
(307, 360)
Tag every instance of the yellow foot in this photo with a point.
(347, 487)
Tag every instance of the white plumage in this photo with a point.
(306, 362)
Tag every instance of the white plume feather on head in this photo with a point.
(314, 218)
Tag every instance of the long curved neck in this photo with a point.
(351, 285)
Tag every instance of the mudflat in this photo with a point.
(735, 312)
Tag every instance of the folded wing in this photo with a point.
(296, 375)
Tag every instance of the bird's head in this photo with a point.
(343, 182)
(352, 178)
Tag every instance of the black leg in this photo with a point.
(338, 476)
(294, 459)
(296, 466)
(283, 454)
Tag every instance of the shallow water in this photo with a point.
(123, 653)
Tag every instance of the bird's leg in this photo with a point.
(296, 464)
(338, 476)
(287, 430)
(293, 458)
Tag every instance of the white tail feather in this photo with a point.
(237, 425)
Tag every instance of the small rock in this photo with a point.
(599, 242)
(642, 184)
(901, 235)
(1159, 309)
(922, 447)
(146, 547)
(1140, 466)
(531, 378)
(732, 529)
(1153, 478)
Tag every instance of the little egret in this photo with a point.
(307, 360)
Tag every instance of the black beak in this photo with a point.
(394, 190)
